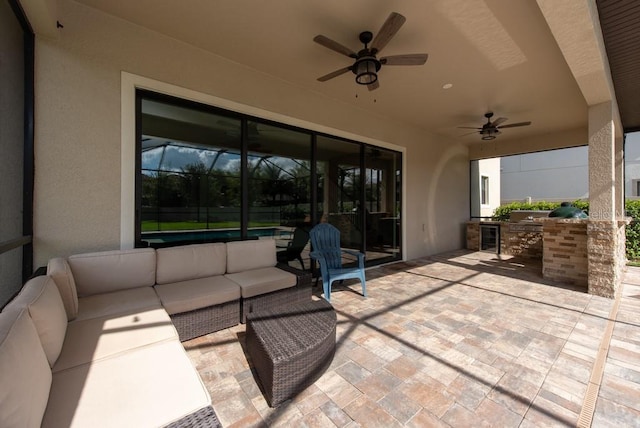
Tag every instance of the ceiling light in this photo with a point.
(365, 70)
(447, 86)
(488, 137)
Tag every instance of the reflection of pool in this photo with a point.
(219, 235)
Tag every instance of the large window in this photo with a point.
(16, 145)
(211, 175)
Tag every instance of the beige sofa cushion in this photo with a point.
(59, 270)
(42, 299)
(261, 281)
(190, 295)
(108, 271)
(190, 262)
(118, 302)
(98, 338)
(252, 254)
(147, 387)
(24, 371)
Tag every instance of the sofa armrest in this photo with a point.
(59, 270)
(303, 277)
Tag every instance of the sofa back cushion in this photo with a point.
(107, 271)
(188, 262)
(59, 270)
(252, 254)
(25, 373)
(42, 299)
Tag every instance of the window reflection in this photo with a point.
(382, 184)
(279, 188)
(194, 187)
(190, 170)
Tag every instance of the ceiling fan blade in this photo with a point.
(387, 31)
(334, 46)
(498, 121)
(513, 125)
(406, 59)
(373, 86)
(468, 133)
(334, 74)
(469, 127)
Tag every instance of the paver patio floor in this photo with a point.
(462, 339)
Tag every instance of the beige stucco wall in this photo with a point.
(78, 132)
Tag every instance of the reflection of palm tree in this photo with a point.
(192, 174)
(273, 183)
(224, 186)
(210, 187)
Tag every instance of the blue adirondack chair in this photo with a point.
(325, 241)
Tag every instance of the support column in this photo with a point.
(605, 236)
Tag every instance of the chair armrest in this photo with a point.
(303, 277)
(353, 253)
(357, 254)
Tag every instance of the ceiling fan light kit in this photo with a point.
(366, 70)
(367, 65)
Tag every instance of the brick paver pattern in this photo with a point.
(464, 339)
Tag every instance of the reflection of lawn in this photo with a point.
(154, 226)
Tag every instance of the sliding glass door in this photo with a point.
(211, 175)
(338, 169)
(382, 183)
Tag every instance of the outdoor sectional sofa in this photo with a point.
(96, 341)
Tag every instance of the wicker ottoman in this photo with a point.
(291, 346)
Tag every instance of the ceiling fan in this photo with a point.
(367, 65)
(490, 130)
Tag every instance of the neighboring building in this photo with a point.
(485, 187)
(632, 166)
(555, 176)
(561, 175)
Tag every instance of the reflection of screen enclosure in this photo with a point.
(190, 169)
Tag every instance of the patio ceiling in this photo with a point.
(499, 56)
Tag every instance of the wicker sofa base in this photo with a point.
(206, 320)
(203, 418)
(299, 293)
(286, 296)
(291, 347)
